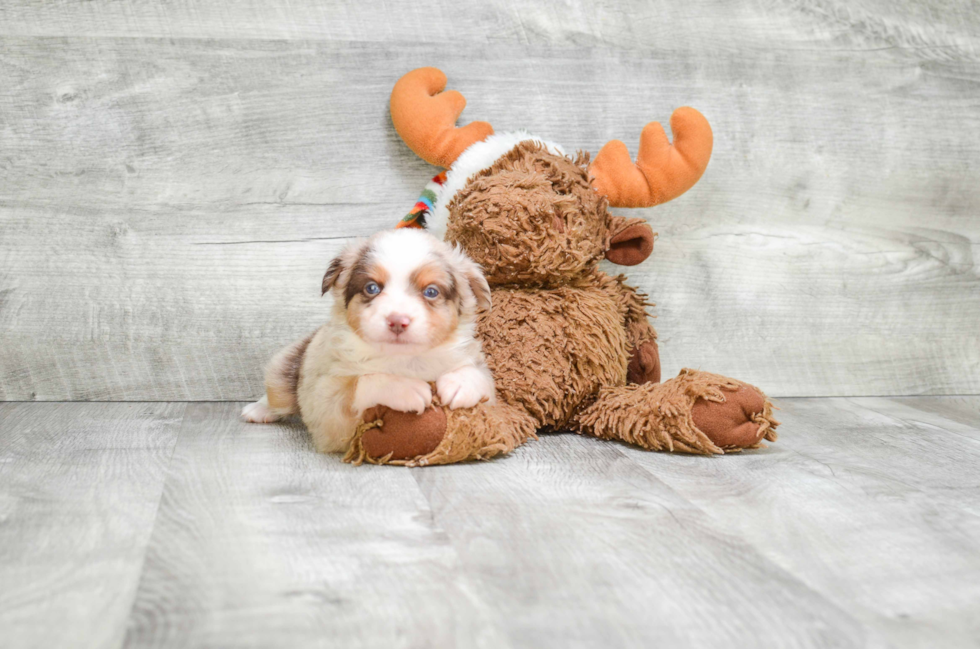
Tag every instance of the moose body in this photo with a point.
(580, 346)
(569, 346)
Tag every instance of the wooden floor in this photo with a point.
(172, 524)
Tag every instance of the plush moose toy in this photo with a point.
(569, 346)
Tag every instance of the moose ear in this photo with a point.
(332, 275)
(630, 241)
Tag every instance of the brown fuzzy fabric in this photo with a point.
(562, 337)
(632, 304)
(657, 416)
(549, 350)
(478, 433)
(531, 219)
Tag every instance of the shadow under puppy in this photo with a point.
(403, 316)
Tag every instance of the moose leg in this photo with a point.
(439, 435)
(644, 355)
(695, 412)
(644, 364)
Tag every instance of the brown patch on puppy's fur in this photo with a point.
(332, 275)
(362, 273)
(481, 290)
(435, 272)
(444, 311)
(282, 376)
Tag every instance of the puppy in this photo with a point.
(404, 315)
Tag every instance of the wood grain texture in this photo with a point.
(945, 29)
(865, 502)
(260, 541)
(173, 183)
(152, 525)
(570, 531)
(79, 489)
(962, 410)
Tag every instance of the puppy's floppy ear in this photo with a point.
(467, 270)
(340, 269)
(479, 286)
(333, 274)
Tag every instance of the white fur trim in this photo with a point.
(476, 158)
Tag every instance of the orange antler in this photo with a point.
(425, 117)
(662, 171)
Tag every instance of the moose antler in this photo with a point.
(662, 171)
(425, 117)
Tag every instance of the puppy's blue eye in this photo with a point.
(372, 288)
(431, 292)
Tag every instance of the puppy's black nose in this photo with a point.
(398, 322)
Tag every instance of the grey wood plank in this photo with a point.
(854, 530)
(829, 249)
(923, 28)
(168, 307)
(964, 410)
(79, 489)
(260, 541)
(934, 424)
(875, 512)
(893, 441)
(571, 544)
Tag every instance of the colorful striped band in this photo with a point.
(416, 217)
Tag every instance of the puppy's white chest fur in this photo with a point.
(343, 348)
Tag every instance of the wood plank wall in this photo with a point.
(174, 177)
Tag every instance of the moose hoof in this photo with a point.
(644, 364)
(403, 435)
(730, 424)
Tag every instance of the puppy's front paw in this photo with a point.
(406, 395)
(397, 392)
(465, 387)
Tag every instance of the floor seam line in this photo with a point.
(153, 525)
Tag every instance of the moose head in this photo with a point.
(522, 208)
